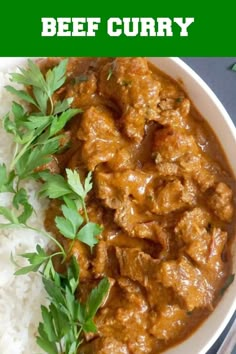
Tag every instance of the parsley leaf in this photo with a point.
(6, 180)
(59, 122)
(21, 94)
(73, 275)
(54, 186)
(69, 225)
(35, 259)
(61, 106)
(73, 216)
(55, 78)
(9, 215)
(88, 234)
(43, 87)
(44, 342)
(75, 184)
(21, 198)
(38, 156)
(96, 298)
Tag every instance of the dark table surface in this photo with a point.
(217, 73)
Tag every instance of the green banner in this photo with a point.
(122, 28)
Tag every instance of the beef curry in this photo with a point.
(163, 193)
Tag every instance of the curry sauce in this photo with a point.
(163, 194)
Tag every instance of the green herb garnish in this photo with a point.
(67, 318)
(38, 136)
(110, 72)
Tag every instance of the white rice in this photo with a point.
(20, 296)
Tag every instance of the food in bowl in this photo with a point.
(162, 200)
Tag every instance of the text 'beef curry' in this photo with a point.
(163, 195)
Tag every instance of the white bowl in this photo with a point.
(213, 111)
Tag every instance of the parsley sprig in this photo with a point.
(38, 134)
(67, 318)
(43, 88)
(72, 224)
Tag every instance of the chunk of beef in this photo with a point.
(173, 196)
(205, 179)
(199, 169)
(133, 88)
(82, 82)
(173, 111)
(192, 224)
(169, 90)
(83, 88)
(134, 295)
(167, 103)
(153, 231)
(114, 188)
(105, 262)
(171, 144)
(130, 216)
(169, 323)
(137, 265)
(145, 245)
(172, 118)
(188, 283)
(110, 345)
(124, 159)
(221, 202)
(203, 243)
(128, 193)
(135, 317)
(158, 295)
(217, 244)
(206, 250)
(133, 122)
(184, 107)
(126, 315)
(101, 138)
(199, 249)
(127, 217)
(135, 222)
(104, 345)
(130, 288)
(192, 229)
(166, 169)
(141, 343)
(94, 210)
(101, 261)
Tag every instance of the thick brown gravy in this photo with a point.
(163, 193)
